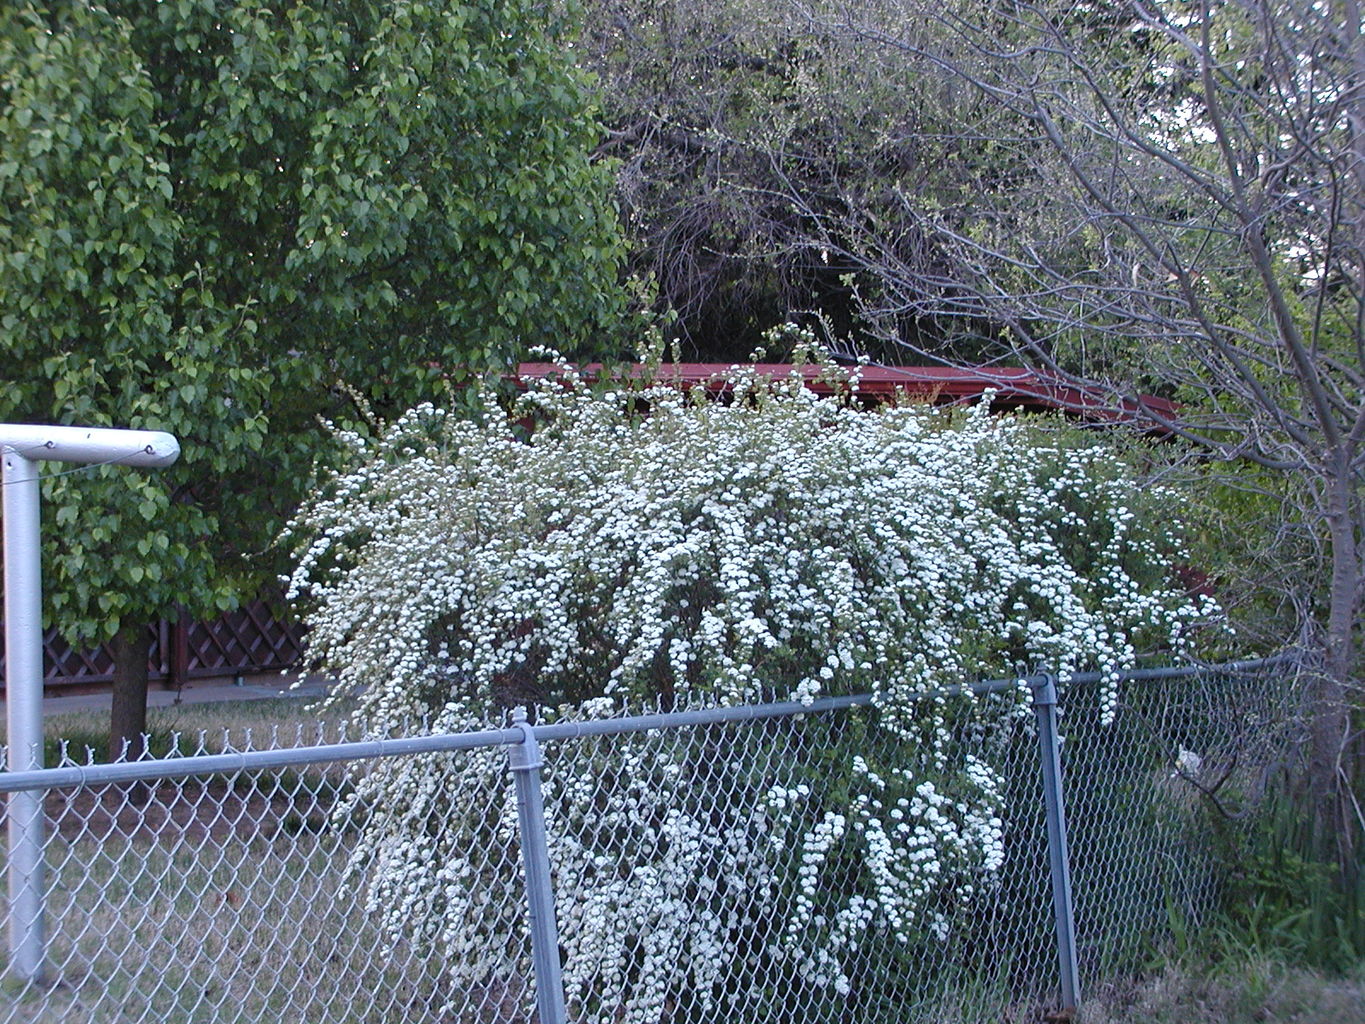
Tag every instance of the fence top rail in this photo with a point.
(299, 757)
(248, 760)
(42, 443)
(1247, 666)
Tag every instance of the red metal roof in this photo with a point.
(1015, 388)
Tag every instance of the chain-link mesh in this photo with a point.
(815, 867)
(227, 898)
(1151, 797)
(693, 885)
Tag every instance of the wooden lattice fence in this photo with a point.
(258, 637)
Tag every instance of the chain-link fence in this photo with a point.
(767, 863)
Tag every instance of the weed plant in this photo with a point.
(1284, 904)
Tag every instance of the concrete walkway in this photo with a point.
(197, 691)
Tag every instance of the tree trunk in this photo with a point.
(1329, 763)
(131, 647)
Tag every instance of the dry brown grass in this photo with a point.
(214, 900)
(1253, 991)
(201, 931)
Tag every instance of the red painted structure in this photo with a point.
(258, 638)
(1015, 389)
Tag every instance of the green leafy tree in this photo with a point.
(214, 211)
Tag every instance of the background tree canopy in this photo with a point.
(750, 136)
(214, 211)
(1135, 197)
(708, 106)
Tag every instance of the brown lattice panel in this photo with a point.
(257, 637)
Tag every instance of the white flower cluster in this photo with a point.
(918, 849)
(663, 867)
(776, 545)
(779, 545)
(666, 881)
(436, 856)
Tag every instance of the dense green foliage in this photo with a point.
(759, 146)
(213, 212)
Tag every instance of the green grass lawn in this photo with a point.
(282, 721)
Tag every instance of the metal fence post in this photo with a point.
(1044, 688)
(525, 761)
(22, 447)
(24, 698)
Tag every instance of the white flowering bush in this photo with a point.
(919, 848)
(644, 544)
(662, 854)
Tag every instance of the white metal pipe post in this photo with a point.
(21, 448)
